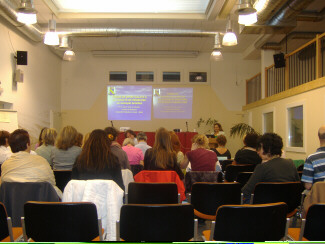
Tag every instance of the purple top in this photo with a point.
(202, 159)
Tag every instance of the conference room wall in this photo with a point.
(314, 117)
(40, 91)
(84, 84)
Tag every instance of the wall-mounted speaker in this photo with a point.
(279, 60)
(21, 58)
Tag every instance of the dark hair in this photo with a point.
(271, 143)
(111, 132)
(321, 135)
(221, 140)
(250, 140)
(220, 127)
(18, 140)
(40, 141)
(130, 132)
(96, 153)
(3, 136)
(142, 136)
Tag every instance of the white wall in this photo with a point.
(40, 91)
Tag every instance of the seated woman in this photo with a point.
(248, 154)
(134, 154)
(131, 134)
(48, 140)
(65, 152)
(5, 151)
(176, 144)
(200, 157)
(96, 160)
(221, 150)
(162, 155)
(274, 168)
(218, 130)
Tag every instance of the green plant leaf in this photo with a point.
(241, 129)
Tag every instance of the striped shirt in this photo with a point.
(314, 168)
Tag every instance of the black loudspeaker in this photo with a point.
(21, 58)
(279, 60)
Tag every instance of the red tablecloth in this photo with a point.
(184, 137)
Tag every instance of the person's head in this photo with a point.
(4, 136)
(128, 141)
(130, 134)
(19, 141)
(221, 140)
(67, 138)
(141, 136)
(96, 153)
(49, 136)
(176, 144)
(40, 142)
(202, 141)
(321, 135)
(111, 133)
(217, 127)
(85, 139)
(163, 149)
(79, 139)
(269, 145)
(250, 140)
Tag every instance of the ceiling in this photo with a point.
(212, 18)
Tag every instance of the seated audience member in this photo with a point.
(23, 166)
(116, 148)
(79, 140)
(131, 134)
(248, 154)
(162, 155)
(85, 139)
(221, 149)
(134, 154)
(5, 151)
(96, 161)
(48, 140)
(176, 144)
(218, 130)
(142, 139)
(65, 152)
(274, 168)
(39, 143)
(314, 167)
(200, 157)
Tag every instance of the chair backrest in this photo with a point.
(4, 231)
(61, 222)
(315, 223)
(15, 194)
(250, 223)
(152, 193)
(136, 168)
(167, 222)
(127, 177)
(201, 176)
(270, 192)
(243, 177)
(207, 197)
(233, 170)
(62, 177)
(225, 163)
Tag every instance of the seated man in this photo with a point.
(314, 168)
(274, 168)
(142, 139)
(23, 166)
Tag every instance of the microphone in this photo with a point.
(112, 123)
(186, 126)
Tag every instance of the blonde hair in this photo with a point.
(85, 139)
(128, 141)
(49, 136)
(66, 138)
(202, 141)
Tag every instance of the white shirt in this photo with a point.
(5, 153)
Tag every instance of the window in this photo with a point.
(268, 122)
(295, 130)
(146, 76)
(118, 76)
(198, 76)
(171, 76)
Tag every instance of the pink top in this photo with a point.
(135, 154)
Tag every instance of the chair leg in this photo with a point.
(9, 222)
(213, 224)
(302, 229)
(118, 238)
(24, 229)
(100, 230)
(196, 229)
(286, 229)
(251, 200)
(179, 198)
(126, 198)
(241, 198)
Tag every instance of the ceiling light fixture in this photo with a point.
(216, 54)
(66, 44)
(26, 13)
(230, 38)
(69, 55)
(51, 37)
(247, 19)
(246, 12)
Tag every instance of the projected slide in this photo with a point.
(129, 102)
(172, 103)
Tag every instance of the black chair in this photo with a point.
(15, 194)
(233, 170)
(301, 167)
(163, 223)
(207, 197)
(271, 192)
(152, 193)
(249, 223)
(313, 227)
(243, 177)
(5, 224)
(225, 163)
(62, 177)
(61, 222)
(136, 168)
(192, 177)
